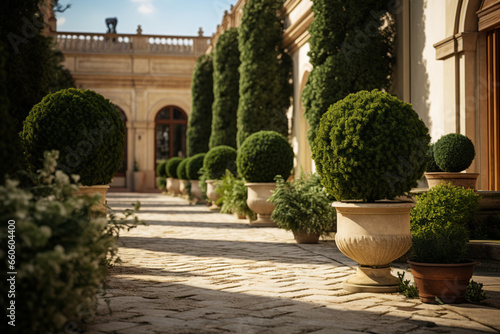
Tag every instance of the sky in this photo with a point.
(156, 17)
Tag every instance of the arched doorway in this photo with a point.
(170, 129)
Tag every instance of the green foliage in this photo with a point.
(61, 250)
(370, 146)
(218, 159)
(474, 292)
(351, 49)
(265, 70)
(84, 127)
(161, 182)
(226, 89)
(171, 167)
(431, 162)
(234, 196)
(263, 156)
(439, 224)
(303, 205)
(181, 169)
(406, 288)
(195, 163)
(204, 176)
(454, 152)
(160, 168)
(202, 97)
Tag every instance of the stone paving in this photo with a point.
(195, 271)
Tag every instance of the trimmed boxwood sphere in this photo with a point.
(370, 146)
(172, 165)
(454, 152)
(160, 169)
(431, 162)
(264, 155)
(84, 127)
(194, 164)
(218, 159)
(181, 170)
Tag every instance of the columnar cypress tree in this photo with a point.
(202, 97)
(265, 70)
(226, 90)
(351, 50)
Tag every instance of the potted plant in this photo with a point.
(85, 128)
(234, 195)
(370, 148)
(261, 157)
(440, 242)
(193, 166)
(449, 156)
(161, 175)
(303, 207)
(216, 161)
(138, 178)
(182, 176)
(172, 180)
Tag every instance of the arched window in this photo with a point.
(123, 168)
(171, 126)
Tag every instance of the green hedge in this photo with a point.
(202, 97)
(263, 156)
(160, 169)
(171, 167)
(370, 146)
(181, 169)
(84, 127)
(226, 89)
(265, 71)
(351, 49)
(218, 159)
(195, 163)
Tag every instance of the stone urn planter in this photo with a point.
(183, 187)
(212, 195)
(466, 180)
(374, 235)
(195, 190)
(258, 194)
(93, 190)
(172, 185)
(302, 237)
(447, 282)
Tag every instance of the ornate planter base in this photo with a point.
(466, 180)
(212, 195)
(258, 193)
(183, 187)
(195, 190)
(173, 186)
(91, 191)
(374, 235)
(303, 237)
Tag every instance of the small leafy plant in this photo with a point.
(406, 288)
(234, 196)
(474, 292)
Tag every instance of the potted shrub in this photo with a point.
(182, 176)
(139, 177)
(193, 166)
(303, 207)
(234, 195)
(161, 175)
(370, 148)
(85, 128)
(440, 242)
(216, 161)
(452, 154)
(261, 157)
(172, 180)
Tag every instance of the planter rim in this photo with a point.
(257, 184)
(211, 181)
(451, 175)
(462, 264)
(380, 205)
(99, 186)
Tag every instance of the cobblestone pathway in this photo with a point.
(194, 271)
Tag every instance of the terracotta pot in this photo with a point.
(302, 237)
(466, 180)
(448, 282)
(173, 185)
(374, 235)
(195, 190)
(91, 191)
(212, 195)
(258, 193)
(139, 178)
(183, 187)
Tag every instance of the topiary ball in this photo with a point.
(454, 152)
(218, 159)
(181, 170)
(370, 146)
(195, 163)
(431, 162)
(172, 165)
(263, 155)
(160, 169)
(84, 127)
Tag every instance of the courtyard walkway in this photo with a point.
(194, 271)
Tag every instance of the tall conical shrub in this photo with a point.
(202, 97)
(226, 90)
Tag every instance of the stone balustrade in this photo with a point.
(71, 42)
